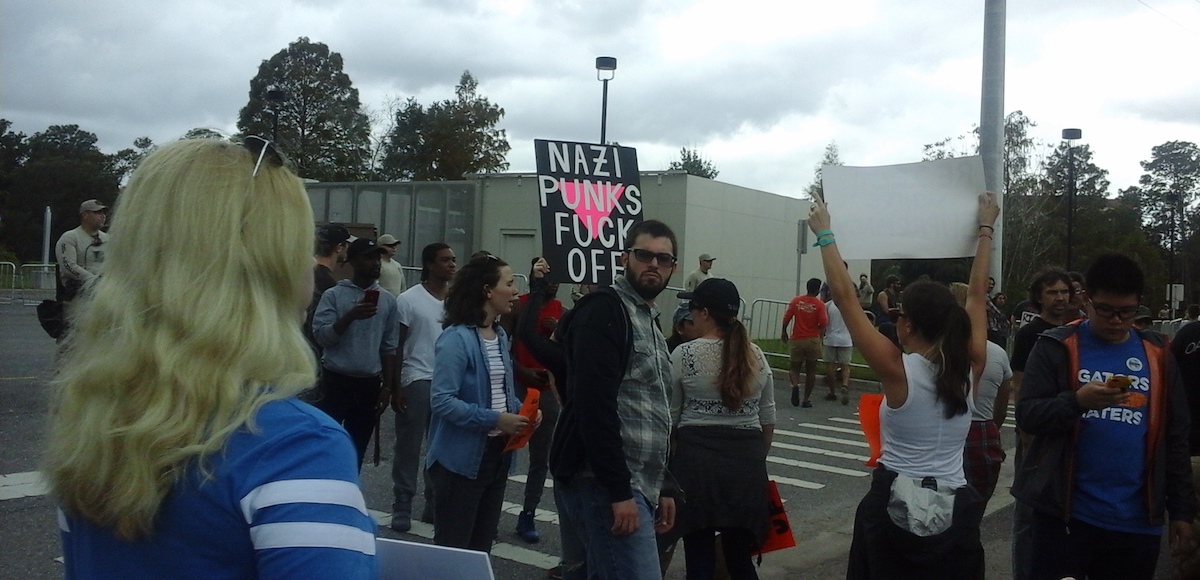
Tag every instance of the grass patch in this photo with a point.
(779, 347)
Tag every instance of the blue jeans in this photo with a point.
(609, 557)
(573, 552)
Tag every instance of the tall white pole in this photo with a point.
(46, 236)
(991, 118)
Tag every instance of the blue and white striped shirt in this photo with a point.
(283, 501)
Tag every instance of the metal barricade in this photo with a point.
(36, 283)
(8, 282)
(764, 323)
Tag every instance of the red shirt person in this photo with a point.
(808, 314)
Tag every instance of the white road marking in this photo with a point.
(25, 484)
(504, 550)
(821, 438)
(831, 428)
(819, 451)
(817, 467)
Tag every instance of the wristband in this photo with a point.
(988, 236)
(824, 233)
(825, 241)
(988, 227)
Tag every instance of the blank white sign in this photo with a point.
(401, 560)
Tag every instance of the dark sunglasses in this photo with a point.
(646, 256)
(262, 148)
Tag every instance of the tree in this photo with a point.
(322, 128)
(59, 167)
(829, 157)
(1167, 196)
(202, 133)
(126, 160)
(447, 140)
(691, 162)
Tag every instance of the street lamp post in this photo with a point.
(1070, 135)
(606, 67)
(275, 97)
(1174, 199)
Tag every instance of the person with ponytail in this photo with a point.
(723, 413)
(919, 519)
(177, 446)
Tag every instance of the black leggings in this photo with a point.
(700, 553)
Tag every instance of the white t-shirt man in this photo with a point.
(422, 314)
(836, 334)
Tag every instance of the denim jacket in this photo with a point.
(460, 399)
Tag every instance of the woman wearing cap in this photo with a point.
(917, 520)
(723, 411)
(177, 448)
(473, 407)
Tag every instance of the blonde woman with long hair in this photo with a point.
(177, 447)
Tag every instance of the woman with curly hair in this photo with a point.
(473, 407)
(177, 448)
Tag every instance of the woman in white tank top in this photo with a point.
(917, 520)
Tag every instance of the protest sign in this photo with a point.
(590, 196)
(914, 210)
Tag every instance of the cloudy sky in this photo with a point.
(758, 86)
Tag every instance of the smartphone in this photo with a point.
(371, 297)
(1119, 382)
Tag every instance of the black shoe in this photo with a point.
(526, 528)
(401, 523)
(807, 404)
(795, 396)
(831, 397)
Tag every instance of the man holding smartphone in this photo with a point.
(357, 325)
(1109, 419)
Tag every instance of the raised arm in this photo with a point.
(882, 356)
(977, 297)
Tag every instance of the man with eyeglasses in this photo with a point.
(80, 252)
(1109, 418)
(609, 450)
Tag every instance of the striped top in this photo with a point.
(283, 501)
(495, 361)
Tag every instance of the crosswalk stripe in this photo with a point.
(504, 550)
(522, 478)
(795, 482)
(819, 451)
(831, 428)
(541, 515)
(845, 420)
(821, 438)
(817, 467)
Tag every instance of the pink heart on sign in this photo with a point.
(589, 214)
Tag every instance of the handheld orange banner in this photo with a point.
(529, 410)
(779, 533)
(868, 417)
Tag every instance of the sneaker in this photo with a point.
(526, 529)
(795, 396)
(401, 523)
(845, 395)
(806, 405)
(831, 396)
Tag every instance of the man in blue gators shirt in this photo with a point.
(1108, 457)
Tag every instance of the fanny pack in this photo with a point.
(919, 507)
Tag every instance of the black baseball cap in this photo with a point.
(333, 234)
(716, 294)
(363, 247)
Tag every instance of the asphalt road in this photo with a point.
(817, 459)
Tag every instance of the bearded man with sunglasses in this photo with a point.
(1108, 463)
(609, 450)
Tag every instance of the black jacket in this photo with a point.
(1050, 413)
